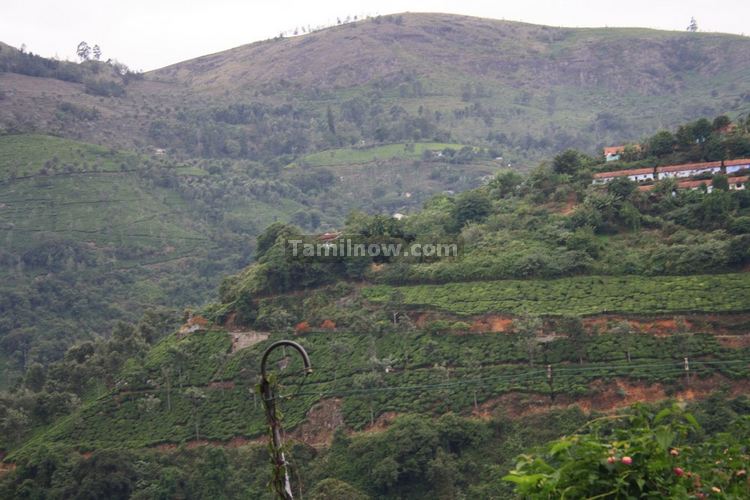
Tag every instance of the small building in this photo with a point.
(635, 175)
(693, 185)
(734, 166)
(688, 169)
(612, 153)
(398, 216)
(329, 236)
(735, 184)
(738, 183)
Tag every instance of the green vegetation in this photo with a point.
(665, 454)
(581, 295)
(417, 457)
(151, 401)
(348, 156)
(28, 155)
(524, 106)
(207, 160)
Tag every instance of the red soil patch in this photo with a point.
(235, 442)
(194, 324)
(607, 397)
(322, 421)
(570, 205)
(420, 320)
(654, 326)
(492, 323)
(221, 384)
(165, 447)
(328, 325)
(241, 340)
(734, 341)
(302, 327)
(6, 468)
(382, 422)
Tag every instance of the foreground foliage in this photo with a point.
(643, 455)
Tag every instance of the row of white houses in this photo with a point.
(677, 171)
(735, 184)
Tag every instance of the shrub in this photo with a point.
(647, 457)
(105, 88)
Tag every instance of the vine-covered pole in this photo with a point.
(280, 482)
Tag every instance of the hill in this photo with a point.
(126, 197)
(523, 90)
(569, 301)
(405, 107)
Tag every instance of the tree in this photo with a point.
(568, 162)
(368, 381)
(505, 183)
(395, 305)
(528, 329)
(35, 377)
(83, 51)
(18, 344)
(684, 136)
(196, 398)
(720, 181)
(573, 327)
(624, 333)
(107, 474)
(14, 424)
(330, 121)
(693, 26)
(721, 122)
(622, 187)
(97, 52)
(662, 143)
(470, 206)
(335, 489)
(268, 237)
(702, 129)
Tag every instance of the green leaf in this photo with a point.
(664, 438)
(526, 480)
(692, 421)
(640, 482)
(662, 414)
(559, 446)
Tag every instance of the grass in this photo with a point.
(580, 295)
(93, 208)
(22, 155)
(348, 156)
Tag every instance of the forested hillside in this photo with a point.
(568, 302)
(141, 190)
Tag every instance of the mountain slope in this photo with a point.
(521, 89)
(439, 45)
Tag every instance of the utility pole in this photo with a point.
(550, 382)
(280, 481)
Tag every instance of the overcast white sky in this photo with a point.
(148, 34)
